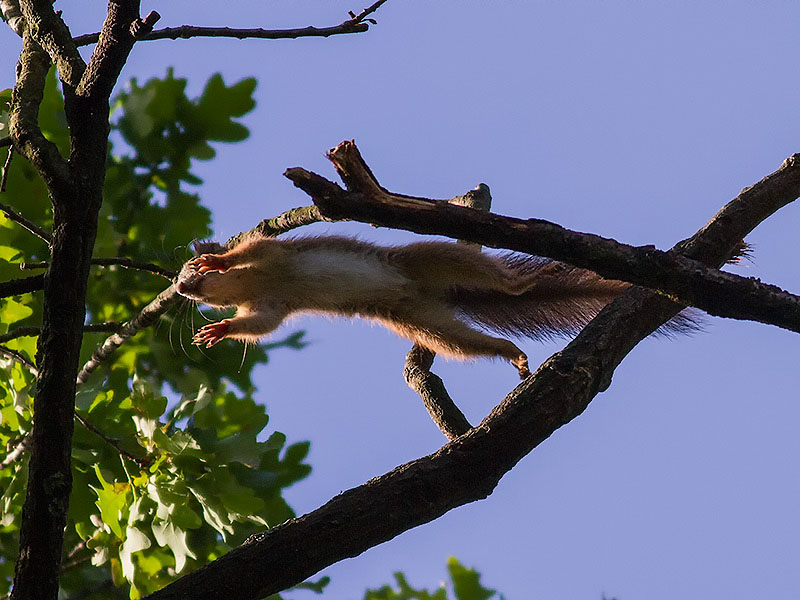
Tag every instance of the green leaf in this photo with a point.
(167, 534)
(466, 582)
(111, 499)
(135, 540)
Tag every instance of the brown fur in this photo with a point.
(428, 292)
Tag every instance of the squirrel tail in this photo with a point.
(559, 302)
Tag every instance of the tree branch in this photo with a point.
(23, 119)
(31, 331)
(15, 287)
(469, 467)
(13, 15)
(145, 318)
(355, 24)
(417, 371)
(18, 451)
(286, 221)
(430, 388)
(143, 462)
(25, 223)
(50, 32)
(681, 278)
(6, 169)
(19, 357)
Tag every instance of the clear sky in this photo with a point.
(633, 120)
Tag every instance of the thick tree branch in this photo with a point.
(23, 119)
(683, 279)
(469, 467)
(356, 24)
(50, 32)
(13, 16)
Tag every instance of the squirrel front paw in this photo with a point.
(209, 263)
(212, 333)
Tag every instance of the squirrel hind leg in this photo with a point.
(450, 337)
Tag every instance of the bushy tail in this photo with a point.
(561, 300)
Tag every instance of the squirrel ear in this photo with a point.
(207, 247)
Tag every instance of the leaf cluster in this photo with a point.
(173, 463)
(465, 583)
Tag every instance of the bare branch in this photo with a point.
(430, 388)
(15, 287)
(132, 264)
(355, 24)
(469, 467)
(25, 223)
(122, 261)
(112, 50)
(681, 278)
(286, 221)
(145, 318)
(30, 331)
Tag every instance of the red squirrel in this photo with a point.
(432, 293)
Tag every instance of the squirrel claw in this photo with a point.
(211, 334)
(208, 263)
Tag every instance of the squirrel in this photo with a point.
(433, 293)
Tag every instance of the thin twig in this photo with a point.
(132, 264)
(30, 331)
(18, 356)
(122, 261)
(25, 223)
(16, 452)
(6, 167)
(142, 462)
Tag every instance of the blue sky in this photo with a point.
(633, 120)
